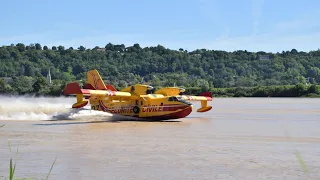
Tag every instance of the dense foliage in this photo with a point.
(207, 69)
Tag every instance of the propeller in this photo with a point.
(150, 90)
(182, 90)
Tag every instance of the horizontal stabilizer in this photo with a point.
(74, 88)
(84, 94)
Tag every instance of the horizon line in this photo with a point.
(150, 46)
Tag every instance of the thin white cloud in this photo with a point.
(304, 24)
(301, 34)
(21, 38)
(98, 40)
(268, 43)
(50, 39)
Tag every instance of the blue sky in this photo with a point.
(253, 25)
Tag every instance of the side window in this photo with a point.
(141, 103)
(137, 102)
(161, 104)
(170, 99)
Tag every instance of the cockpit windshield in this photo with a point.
(173, 98)
(179, 99)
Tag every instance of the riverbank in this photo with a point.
(299, 90)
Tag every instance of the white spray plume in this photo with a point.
(44, 108)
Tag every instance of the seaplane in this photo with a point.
(140, 100)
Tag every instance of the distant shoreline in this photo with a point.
(289, 91)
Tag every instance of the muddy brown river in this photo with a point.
(240, 138)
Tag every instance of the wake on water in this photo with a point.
(44, 108)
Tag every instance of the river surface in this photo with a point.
(240, 138)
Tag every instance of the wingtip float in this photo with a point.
(137, 100)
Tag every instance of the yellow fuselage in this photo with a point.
(151, 106)
(136, 100)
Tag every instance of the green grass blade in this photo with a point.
(14, 169)
(301, 162)
(11, 170)
(51, 168)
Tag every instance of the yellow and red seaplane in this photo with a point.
(137, 100)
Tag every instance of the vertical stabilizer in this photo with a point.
(95, 80)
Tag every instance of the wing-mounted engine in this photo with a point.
(139, 89)
(170, 91)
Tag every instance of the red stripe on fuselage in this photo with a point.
(185, 110)
(175, 115)
(174, 107)
(102, 106)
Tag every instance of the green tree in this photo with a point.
(22, 84)
(38, 46)
(60, 48)
(81, 48)
(109, 47)
(133, 64)
(2, 85)
(21, 47)
(4, 53)
(40, 85)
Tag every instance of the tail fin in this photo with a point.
(94, 79)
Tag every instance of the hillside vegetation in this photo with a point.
(238, 73)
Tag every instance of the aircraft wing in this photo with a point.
(203, 98)
(196, 98)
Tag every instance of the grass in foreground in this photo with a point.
(12, 168)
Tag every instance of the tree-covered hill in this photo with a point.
(159, 66)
